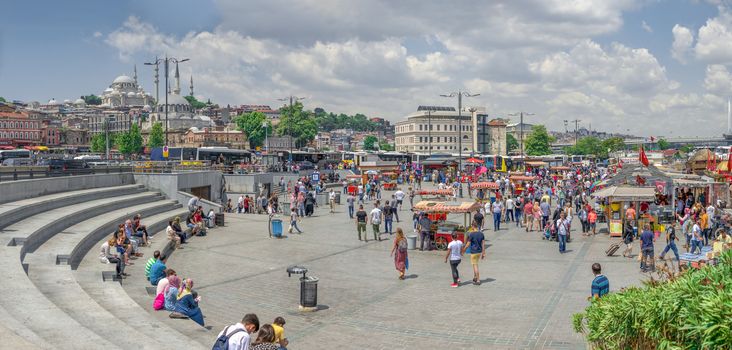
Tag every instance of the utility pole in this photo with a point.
(106, 136)
(460, 95)
(165, 62)
(429, 131)
(521, 131)
(292, 100)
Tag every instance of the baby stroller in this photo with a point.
(550, 231)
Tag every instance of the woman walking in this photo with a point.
(399, 251)
(455, 254)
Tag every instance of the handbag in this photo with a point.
(159, 302)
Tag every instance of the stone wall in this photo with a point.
(22, 189)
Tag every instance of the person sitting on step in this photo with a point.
(176, 236)
(157, 270)
(106, 255)
(187, 304)
(140, 230)
(131, 239)
(192, 225)
(150, 262)
(170, 292)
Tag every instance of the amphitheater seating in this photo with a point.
(54, 291)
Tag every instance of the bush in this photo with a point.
(691, 311)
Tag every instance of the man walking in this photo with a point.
(562, 231)
(670, 243)
(647, 261)
(331, 200)
(423, 225)
(600, 284)
(375, 217)
(696, 237)
(544, 206)
(399, 196)
(361, 223)
(509, 210)
(388, 217)
(476, 244)
(293, 221)
(497, 209)
(351, 200)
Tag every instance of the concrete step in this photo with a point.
(13, 212)
(15, 335)
(32, 310)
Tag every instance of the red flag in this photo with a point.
(642, 156)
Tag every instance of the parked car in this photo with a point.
(66, 165)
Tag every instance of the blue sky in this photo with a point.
(592, 61)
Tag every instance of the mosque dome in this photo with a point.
(123, 79)
(80, 102)
(52, 102)
(67, 102)
(175, 99)
(130, 94)
(146, 108)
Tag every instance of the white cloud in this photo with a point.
(718, 80)
(97, 34)
(646, 27)
(683, 41)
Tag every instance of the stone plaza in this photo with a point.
(526, 301)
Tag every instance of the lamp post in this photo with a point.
(521, 131)
(165, 62)
(429, 131)
(292, 99)
(460, 95)
(266, 139)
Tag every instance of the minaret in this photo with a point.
(177, 80)
(191, 84)
(729, 118)
(157, 81)
(135, 76)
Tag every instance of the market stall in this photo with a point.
(441, 230)
(484, 187)
(353, 182)
(618, 197)
(519, 181)
(434, 193)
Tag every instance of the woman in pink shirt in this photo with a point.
(529, 215)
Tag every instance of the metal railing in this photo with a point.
(37, 172)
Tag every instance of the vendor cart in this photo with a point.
(442, 194)
(518, 181)
(353, 182)
(441, 230)
(485, 186)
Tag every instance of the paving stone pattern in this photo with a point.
(526, 301)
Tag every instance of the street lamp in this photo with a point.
(165, 62)
(429, 131)
(460, 95)
(266, 139)
(292, 99)
(521, 131)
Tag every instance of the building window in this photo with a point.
(438, 127)
(420, 127)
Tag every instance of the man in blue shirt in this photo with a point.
(600, 285)
(476, 244)
(647, 263)
(157, 270)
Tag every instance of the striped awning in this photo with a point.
(447, 207)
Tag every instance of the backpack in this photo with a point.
(222, 342)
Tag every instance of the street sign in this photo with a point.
(165, 152)
(316, 176)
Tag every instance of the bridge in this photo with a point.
(702, 141)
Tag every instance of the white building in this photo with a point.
(435, 127)
(125, 92)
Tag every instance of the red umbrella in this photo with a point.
(474, 160)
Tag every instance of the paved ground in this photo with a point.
(526, 301)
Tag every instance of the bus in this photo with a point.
(497, 162)
(214, 155)
(15, 153)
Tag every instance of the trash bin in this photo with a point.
(219, 219)
(412, 242)
(277, 228)
(308, 291)
(338, 198)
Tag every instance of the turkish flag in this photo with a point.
(642, 156)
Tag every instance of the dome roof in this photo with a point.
(175, 99)
(146, 108)
(52, 102)
(67, 101)
(123, 79)
(79, 101)
(131, 94)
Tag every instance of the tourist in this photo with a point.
(529, 216)
(592, 220)
(510, 205)
(150, 262)
(265, 339)
(476, 244)
(670, 243)
(536, 210)
(190, 223)
(412, 193)
(562, 232)
(424, 226)
(686, 227)
(301, 203)
(279, 329)
(399, 196)
(129, 234)
(165, 281)
(178, 230)
(106, 256)
(170, 292)
(310, 204)
(140, 230)
(240, 204)
(124, 250)
(187, 304)
(361, 223)
(600, 284)
(174, 236)
(478, 218)
(375, 219)
(351, 201)
(229, 208)
(545, 211)
(704, 226)
(388, 217)
(210, 219)
(293, 221)
(237, 336)
(455, 255)
(332, 200)
(157, 270)
(630, 212)
(583, 215)
(192, 204)
(399, 251)
(628, 238)
(696, 236)
(647, 259)
(497, 208)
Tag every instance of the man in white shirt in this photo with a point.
(238, 334)
(331, 200)
(509, 210)
(240, 204)
(399, 196)
(192, 204)
(375, 217)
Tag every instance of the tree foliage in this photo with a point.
(251, 125)
(538, 142)
(298, 123)
(92, 100)
(99, 142)
(687, 148)
(157, 136)
(129, 142)
(663, 144)
(195, 103)
(332, 121)
(370, 142)
(385, 146)
(2, 99)
(591, 145)
(688, 311)
(511, 143)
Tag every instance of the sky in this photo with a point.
(647, 67)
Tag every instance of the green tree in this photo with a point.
(157, 136)
(2, 99)
(610, 145)
(99, 142)
(538, 142)
(663, 144)
(370, 142)
(92, 100)
(589, 145)
(511, 143)
(298, 123)
(251, 124)
(196, 103)
(385, 146)
(129, 142)
(687, 148)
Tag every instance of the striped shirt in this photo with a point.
(148, 265)
(600, 286)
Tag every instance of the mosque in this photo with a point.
(125, 92)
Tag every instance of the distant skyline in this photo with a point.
(646, 67)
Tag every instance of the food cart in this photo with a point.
(353, 182)
(441, 230)
(485, 186)
(426, 194)
(518, 182)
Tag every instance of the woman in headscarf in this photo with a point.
(187, 303)
(171, 292)
(400, 248)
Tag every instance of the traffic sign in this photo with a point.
(165, 152)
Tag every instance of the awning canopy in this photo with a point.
(690, 183)
(485, 185)
(627, 193)
(559, 168)
(447, 207)
(536, 163)
(435, 192)
(522, 178)
(443, 161)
